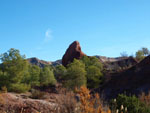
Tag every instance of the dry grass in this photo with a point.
(89, 103)
(66, 103)
(145, 98)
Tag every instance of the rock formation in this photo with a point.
(74, 51)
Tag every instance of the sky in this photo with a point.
(45, 28)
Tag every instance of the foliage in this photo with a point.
(88, 61)
(145, 98)
(75, 76)
(47, 77)
(145, 51)
(140, 55)
(59, 72)
(34, 72)
(129, 103)
(94, 71)
(89, 103)
(19, 87)
(13, 69)
(4, 89)
(93, 77)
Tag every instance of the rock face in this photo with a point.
(74, 51)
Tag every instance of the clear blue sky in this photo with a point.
(45, 28)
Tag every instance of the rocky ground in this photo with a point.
(22, 103)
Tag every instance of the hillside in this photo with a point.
(134, 80)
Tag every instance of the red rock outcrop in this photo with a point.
(74, 51)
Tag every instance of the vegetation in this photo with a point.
(47, 77)
(129, 104)
(94, 71)
(142, 53)
(87, 71)
(14, 68)
(75, 76)
(17, 75)
(59, 72)
(90, 103)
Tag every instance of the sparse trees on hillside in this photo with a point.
(18, 75)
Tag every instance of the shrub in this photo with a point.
(19, 88)
(145, 98)
(4, 89)
(130, 103)
(36, 94)
(67, 103)
(89, 103)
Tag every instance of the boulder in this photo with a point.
(74, 51)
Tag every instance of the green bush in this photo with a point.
(19, 88)
(130, 103)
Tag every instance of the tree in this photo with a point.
(94, 69)
(34, 72)
(140, 55)
(88, 61)
(145, 51)
(76, 75)
(124, 54)
(59, 72)
(13, 67)
(47, 77)
(93, 77)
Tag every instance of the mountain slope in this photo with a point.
(132, 81)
